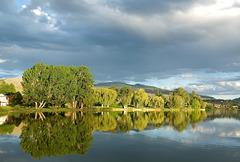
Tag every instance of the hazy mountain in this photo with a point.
(148, 89)
(237, 99)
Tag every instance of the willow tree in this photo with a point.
(156, 102)
(184, 94)
(90, 98)
(125, 96)
(159, 94)
(197, 102)
(106, 96)
(140, 98)
(114, 87)
(36, 85)
(176, 101)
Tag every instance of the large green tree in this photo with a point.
(106, 96)
(59, 81)
(36, 85)
(197, 102)
(156, 102)
(114, 87)
(125, 96)
(184, 94)
(140, 98)
(159, 94)
(176, 101)
(80, 85)
(57, 85)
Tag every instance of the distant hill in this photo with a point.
(148, 89)
(237, 99)
(15, 81)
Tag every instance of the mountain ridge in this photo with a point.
(148, 89)
(237, 99)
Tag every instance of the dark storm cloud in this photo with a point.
(120, 40)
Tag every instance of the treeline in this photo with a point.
(58, 85)
(179, 98)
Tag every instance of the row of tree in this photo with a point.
(58, 85)
(179, 98)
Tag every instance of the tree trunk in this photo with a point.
(36, 105)
(102, 105)
(74, 103)
(44, 103)
(82, 105)
(81, 114)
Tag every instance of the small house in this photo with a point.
(3, 100)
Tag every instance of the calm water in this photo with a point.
(119, 136)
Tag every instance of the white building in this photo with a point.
(3, 100)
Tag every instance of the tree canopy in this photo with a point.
(125, 96)
(140, 98)
(56, 85)
(7, 89)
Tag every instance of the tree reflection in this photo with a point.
(125, 123)
(197, 117)
(57, 134)
(157, 118)
(140, 121)
(179, 120)
(106, 122)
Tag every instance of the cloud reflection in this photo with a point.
(221, 131)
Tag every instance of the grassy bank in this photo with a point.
(24, 109)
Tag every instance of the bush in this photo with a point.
(17, 107)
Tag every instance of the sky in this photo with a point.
(194, 44)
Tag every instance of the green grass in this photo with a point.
(25, 109)
(5, 109)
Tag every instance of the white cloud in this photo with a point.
(190, 76)
(3, 60)
(51, 24)
(221, 8)
(24, 6)
(38, 11)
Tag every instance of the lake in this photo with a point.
(121, 136)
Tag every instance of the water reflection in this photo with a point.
(58, 134)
